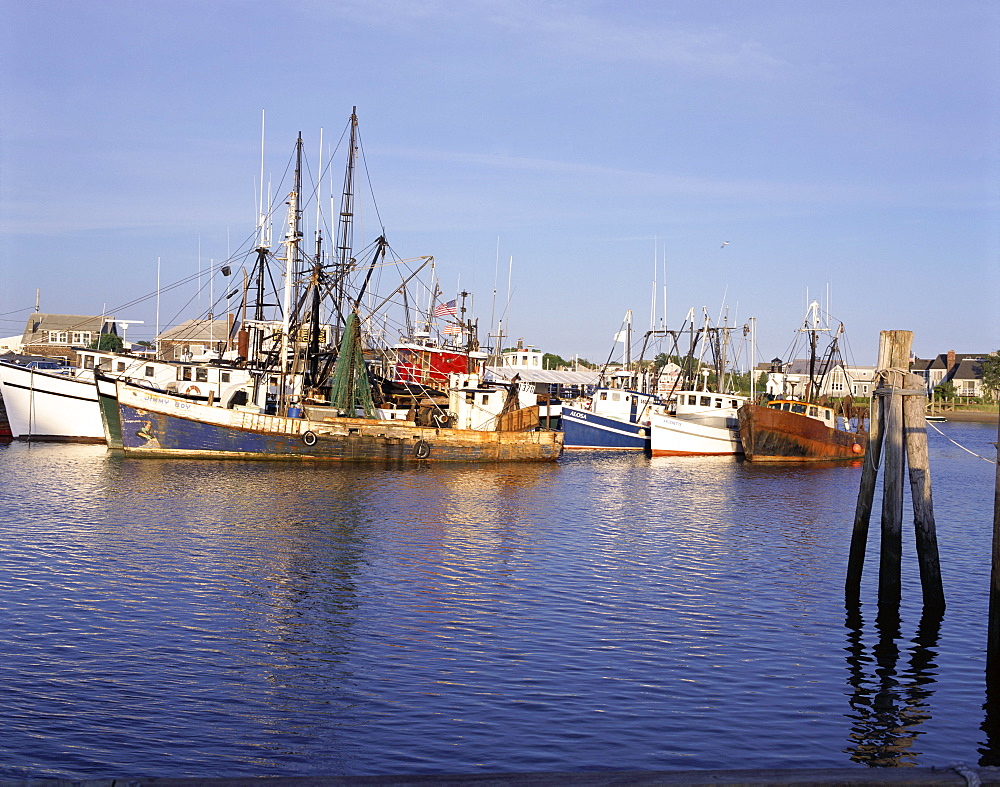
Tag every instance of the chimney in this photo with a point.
(951, 360)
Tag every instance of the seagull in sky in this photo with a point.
(724, 244)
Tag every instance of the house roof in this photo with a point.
(800, 367)
(197, 331)
(968, 369)
(940, 361)
(39, 324)
(547, 376)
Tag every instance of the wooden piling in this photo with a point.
(915, 436)
(891, 553)
(866, 494)
(993, 633)
(893, 353)
(899, 427)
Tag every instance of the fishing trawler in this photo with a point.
(616, 414)
(310, 398)
(700, 421)
(793, 430)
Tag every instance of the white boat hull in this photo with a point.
(43, 405)
(671, 436)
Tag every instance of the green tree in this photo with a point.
(553, 361)
(945, 390)
(990, 369)
(107, 342)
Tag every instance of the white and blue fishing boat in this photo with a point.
(615, 416)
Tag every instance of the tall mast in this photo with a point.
(345, 239)
(628, 340)
(292, 238)
(312, 377)
(812, 328)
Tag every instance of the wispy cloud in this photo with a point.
(580, 176)
(592, 31)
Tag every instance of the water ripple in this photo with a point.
(607, 611)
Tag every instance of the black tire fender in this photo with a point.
(309, 438)
(421, 449)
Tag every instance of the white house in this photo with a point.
(792, 379)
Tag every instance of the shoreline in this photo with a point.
(971, 416)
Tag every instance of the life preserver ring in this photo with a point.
(309, 438)
(421, 449)
(193, 389)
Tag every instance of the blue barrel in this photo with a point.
(294, 411)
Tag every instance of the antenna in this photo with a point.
(664, 286)
(157, 337)
(652, 305)
(493, 307)
(510, 273)
(261, 237)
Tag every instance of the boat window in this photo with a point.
(733, 403)
(604, 395)
(616, 397)
(224, 377)
(486, 399)
(201, 374)
(149, 371)
(185, 373)
(786, 406)
(706, 401)
(88, 362)
(121, 366)
(470, 398)
(718, 403)
(692, 400)
(814, 411)
(828, 414)
(799, 408)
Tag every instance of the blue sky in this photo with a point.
(846, 150)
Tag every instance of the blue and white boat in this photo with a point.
(615, 418)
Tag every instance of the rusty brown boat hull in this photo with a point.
(770, 435)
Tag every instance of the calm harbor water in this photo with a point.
(183, 618)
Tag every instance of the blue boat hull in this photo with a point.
(584, 429)
(158, 424)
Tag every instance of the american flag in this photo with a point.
(449, 309)
(451, 329)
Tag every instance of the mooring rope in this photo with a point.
(985, 459)
(971, 777)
